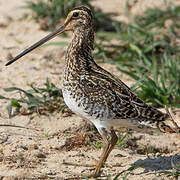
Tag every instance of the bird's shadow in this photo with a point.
(161, 163)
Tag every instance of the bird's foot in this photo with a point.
(85, 175)
(94, 170)
(92, 175)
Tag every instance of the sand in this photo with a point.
(36, 153)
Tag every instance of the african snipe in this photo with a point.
(94, 93)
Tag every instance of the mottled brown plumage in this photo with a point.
(95, 93)
(98, 85)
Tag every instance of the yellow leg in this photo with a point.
(110, 140)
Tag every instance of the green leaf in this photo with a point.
(15, 103)
(2, 97)
(34, 100)
(132, 74)
(85, 177)
(11, 89)
(9, 108)
(15, 89)
(136, 49)
(153, 45)
(31, 106)
(47, 84)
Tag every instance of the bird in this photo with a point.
(94, 93)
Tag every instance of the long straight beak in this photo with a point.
(60, 30)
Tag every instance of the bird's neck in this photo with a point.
(78, 55)
(83, 40)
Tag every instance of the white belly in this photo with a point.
(73, 104)
(81, 110)
(105, 121)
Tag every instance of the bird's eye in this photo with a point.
(75, 14)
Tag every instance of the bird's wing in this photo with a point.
(107, 88)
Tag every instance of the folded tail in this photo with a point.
(166, 128)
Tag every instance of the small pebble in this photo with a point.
(38, 154)
(33, 147)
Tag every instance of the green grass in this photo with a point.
(157, 80)
(97, 144)
(51, 13)
(147, 50)
(35, 100)
(122, 140)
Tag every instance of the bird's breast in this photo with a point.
(81, 105)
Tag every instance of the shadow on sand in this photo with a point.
(159, 163)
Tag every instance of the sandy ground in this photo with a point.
(32, 154)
